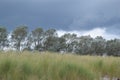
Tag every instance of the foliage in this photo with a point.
(3, 37)
(48, 40)
(37, 37)
(18, 36)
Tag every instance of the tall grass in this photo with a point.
(53, 66)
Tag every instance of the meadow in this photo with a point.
(54, 66)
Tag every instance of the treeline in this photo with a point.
(47, 40)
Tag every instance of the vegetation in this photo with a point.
(3, 37)
(21, 39)
(54, 66)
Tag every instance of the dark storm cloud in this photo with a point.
(62, 14)
(34, 13)
(97, 13)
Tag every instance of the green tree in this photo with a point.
(18, 36)
(113, 47)
(98, 46)
(3, 37)
(71, 40)
(60, 44)
(84, 45)
(37, 38)
(50, 39)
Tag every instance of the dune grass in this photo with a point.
(53, 66)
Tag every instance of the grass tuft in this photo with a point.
(53, 66)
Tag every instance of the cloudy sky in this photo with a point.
(83, 17)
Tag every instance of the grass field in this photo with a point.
(53, 66)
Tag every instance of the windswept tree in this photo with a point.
(3, 37)
(18, 36)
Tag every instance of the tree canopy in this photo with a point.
(48, 40)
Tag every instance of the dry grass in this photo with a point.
(53, 66)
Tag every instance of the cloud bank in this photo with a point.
(93, 33)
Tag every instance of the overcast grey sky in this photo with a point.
(67, 15)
